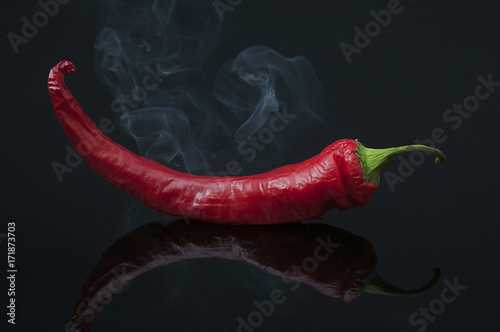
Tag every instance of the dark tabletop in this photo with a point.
(386, 72)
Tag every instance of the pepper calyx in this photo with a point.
(373, 160)
(375, 284)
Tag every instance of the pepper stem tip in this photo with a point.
(373, 160)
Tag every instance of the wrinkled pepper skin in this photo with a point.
(344, 261)
(331, 179)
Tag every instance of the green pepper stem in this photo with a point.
(376, 285)
(373, 160)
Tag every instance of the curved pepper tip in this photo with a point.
(66, 67)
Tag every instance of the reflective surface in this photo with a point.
(330, 260)
(428, 76)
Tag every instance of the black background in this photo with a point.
(395, 91)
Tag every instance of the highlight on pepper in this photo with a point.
(344, 175)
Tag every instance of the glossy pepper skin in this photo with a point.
(335, 178)
(331, 260)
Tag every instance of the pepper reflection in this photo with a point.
(329, 259)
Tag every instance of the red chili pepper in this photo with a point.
(343, 175)
(332, 261)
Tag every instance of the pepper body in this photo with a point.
(332, 179)
(343, 261)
